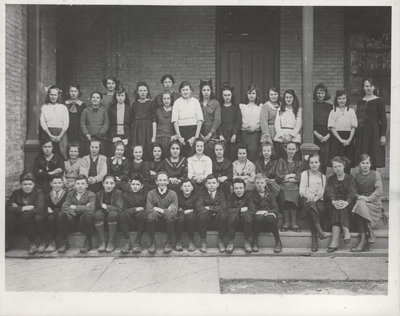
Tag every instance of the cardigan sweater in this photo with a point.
(55, 203)
(95, 122)
(101, 167)
(167, 201)
(114, 201)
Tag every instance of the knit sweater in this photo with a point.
(101, 167)
(167, 201)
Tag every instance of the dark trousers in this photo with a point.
(52, 225)
(361, 223)
(185, 220)
(247, 220)
(66, 222)
(187, 132)
(32, 225)
(270, 222)
(127, 219)
(168, 218)
(223, 221)
(101, 216)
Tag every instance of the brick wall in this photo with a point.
(142, 43)
(16, 92)
(48, 44)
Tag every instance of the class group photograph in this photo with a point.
(200, 149)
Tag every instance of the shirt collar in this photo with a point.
(162, 191)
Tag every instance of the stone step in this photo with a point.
(289, 240)
(211, 252)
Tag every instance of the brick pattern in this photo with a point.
(48, 45)
(16, 92)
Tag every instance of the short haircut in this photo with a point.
(184, 84)
(81, 177)
(118, 143)
(96, 92)
(342, 160)
(187, 180)
(137, 177)
(159, 173)
(261, 176)
(364, 157)
(340, 93)
(72, 144)
(211, 176)
(95, 140)
(167, 76)
(57, 176)
(109, 176)
(27, 176)
(238, 180)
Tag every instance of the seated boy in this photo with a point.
(25, 209)
(78, 208)
(211, 211)
(240, 207)
(162, 204)
(54, 202)
(134, 208)
(266, 211)
(94, 167)
(186, 214)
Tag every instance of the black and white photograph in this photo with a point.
(186, 158)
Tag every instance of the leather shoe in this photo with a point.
(255, 247)
(86, 246)
(178, 246)
(64, 246)
(32, 249)
(168, 247)
(152, 248)
(191, 246)
(51, 247)
(126, 247)
(247, 247)
(230, 247)
(102, 247)
(136, 247)
(42, 247)
(221, 246)
(332, 249)
(203, 246)
(278, 246)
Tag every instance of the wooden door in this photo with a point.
(243, 62)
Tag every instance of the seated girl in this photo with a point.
(72, 165)
(118, 166)
(138, 165)
(267, 166)
(175, 166)
(199, 165)
(244, 168)
(222, 168)
(154, 165)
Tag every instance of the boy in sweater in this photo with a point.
(161, 205)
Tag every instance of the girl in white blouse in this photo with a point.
(251, 130)
(312, 187)
(342, 122)
(288, 121)
(199, 165)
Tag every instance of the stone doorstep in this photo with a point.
(289, 240)
(211, 252)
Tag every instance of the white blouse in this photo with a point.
(342, 120)
(313, 185)
(54, 115)
(199, 167)
(187, 112)
(287, 123)
(250, 115)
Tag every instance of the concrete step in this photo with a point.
(289, 240)
(211, 252)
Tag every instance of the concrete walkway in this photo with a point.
(181, 274)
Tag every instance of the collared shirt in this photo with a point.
(54, 115)
(162, 191)
(187, 112)
(79, 195)
(199, 167)
(212, 194)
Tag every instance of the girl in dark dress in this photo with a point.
(342, 122)
(175, 166)
(288, 173)
(370, 136)
(269, 110)
(267, 166)
(167, 81)
(321, 132)
(154, 165)
(120, 116)
(231, 119)
(339, 195)
(75, 108)
(111, 84)
(143, 111)
(118, 166)
(222, 168)
(138, 165)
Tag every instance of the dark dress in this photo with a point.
(141, 168)
(340, 190)
(41, 168)
(120, 170)
(321, 114)
(158, 99)
(107, 100)
(231, 120)
(156, 167)
(165, 129)
(74, 131)
(289, 190)
(223, 169)
(269, 170)
(372, 124)
(177, 170)
(113, 132)
(142, 127)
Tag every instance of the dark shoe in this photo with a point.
(64, 246)
(314, 249)
(102, 246)
(152, 248)
(203, 246)
(278, 246)
(32, 249)
(137, 248)
(126, 247)
(230, 247)
(255, 247)
(323, 235)
(347, 240)
(371, 237)
(191, 246)
(110, 246)
(362, 246)
(284, 229)
(332, 249)
(87, 246)
(178, 246)
(42, 247)
(221, 246)
(51, 247)
(295, 229)
(168, 247)
(247, 247)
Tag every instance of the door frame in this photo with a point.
(275, 40)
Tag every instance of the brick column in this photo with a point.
(308, 147)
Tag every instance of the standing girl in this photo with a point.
(243, 168)
(54, 120)
(267, 116)
(342, 122)
(75, 108)
(251, 132)
(339, 194)
(372, 123)
(211, 114)
(163, 129)
(199, 165)
(222, 169)
(312, 187)
(231, 119)
(187, 117)
(120, 114)
(111, 84)
(288, 173)
(175, 166)
(368, 207)
(72, 165)
(288, 122)
(94, 122)
(167, 81)
(143, 116)
(321, 132)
